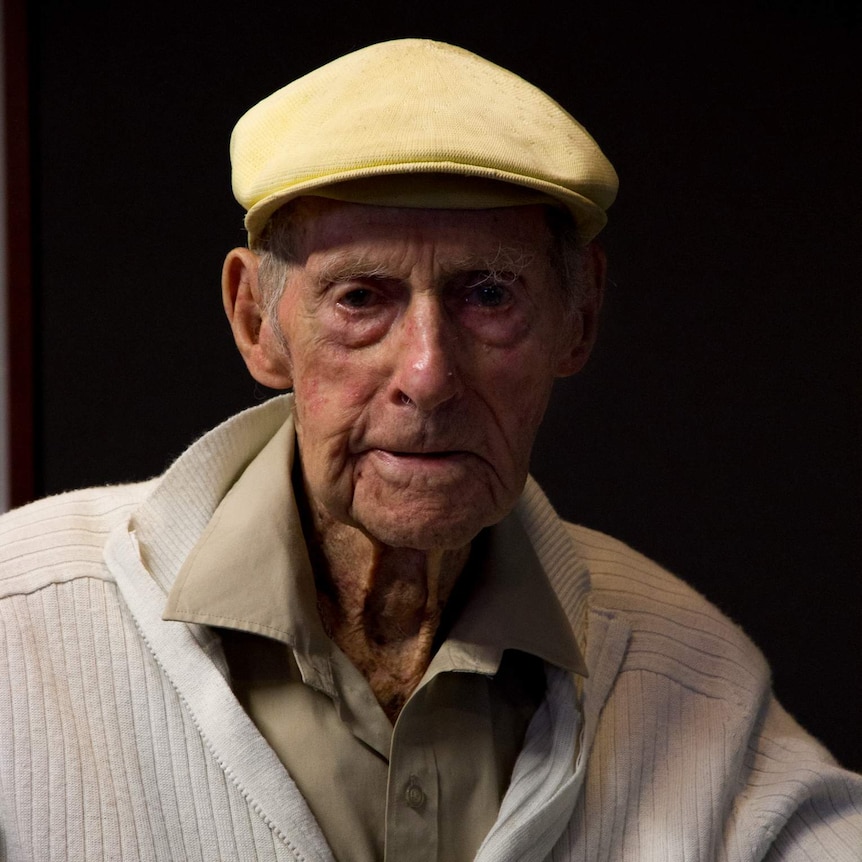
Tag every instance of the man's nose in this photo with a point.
(426, 372)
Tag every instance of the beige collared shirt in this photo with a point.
(428, 788)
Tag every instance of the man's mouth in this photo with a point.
(413, 454)
(408, 461)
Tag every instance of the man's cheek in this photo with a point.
(323, 388)
(519, 384)
(520, 407)
(312, 397)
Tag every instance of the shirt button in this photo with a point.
(414, 796)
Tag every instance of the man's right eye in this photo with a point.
(360, 297)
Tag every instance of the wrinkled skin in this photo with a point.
(422, 358)
(422, 347)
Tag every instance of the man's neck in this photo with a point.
(382, 606)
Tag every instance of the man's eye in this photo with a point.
(488, 295)
(360, 297)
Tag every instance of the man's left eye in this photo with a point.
(489, 294)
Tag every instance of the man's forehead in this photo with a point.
(347, 264)
(347, 238)
(344, 222)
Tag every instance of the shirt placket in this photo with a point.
(412, 796)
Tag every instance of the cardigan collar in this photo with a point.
(171, 520)
(145, 553)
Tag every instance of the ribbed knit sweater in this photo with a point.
(120, 738)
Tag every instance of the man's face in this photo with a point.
(422, 346)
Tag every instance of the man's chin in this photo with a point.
(421, 533)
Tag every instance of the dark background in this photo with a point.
(716, 428)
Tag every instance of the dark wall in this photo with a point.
(716, 428)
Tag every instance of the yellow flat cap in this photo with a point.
(414, 122)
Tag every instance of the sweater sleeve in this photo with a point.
(693, 756)
(796, 803)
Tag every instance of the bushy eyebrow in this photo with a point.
(506, 264)
(347, 267)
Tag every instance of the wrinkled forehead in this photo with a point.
(358, 235)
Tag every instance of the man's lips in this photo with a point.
(418, 454)
(404, 449)
(407, 459)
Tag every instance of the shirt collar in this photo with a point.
(250, 570)
(511, 605)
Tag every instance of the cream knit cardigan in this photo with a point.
(120, 738)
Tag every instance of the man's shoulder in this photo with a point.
(624, 578)
(675, 630)
(61, 537)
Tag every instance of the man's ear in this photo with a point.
(263, 351)
(584, 327)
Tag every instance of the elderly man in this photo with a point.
(346, 624)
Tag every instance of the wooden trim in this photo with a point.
(20, 336)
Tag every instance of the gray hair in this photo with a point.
(276, 248)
